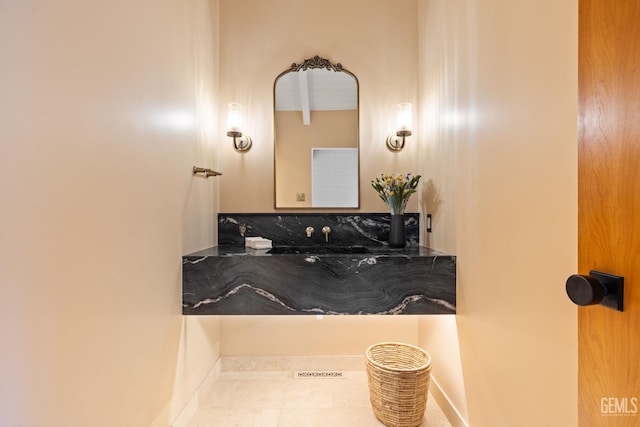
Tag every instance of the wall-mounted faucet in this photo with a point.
(326, 230)
(309, 231)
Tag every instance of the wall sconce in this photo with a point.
(395, 141)
(234, 124)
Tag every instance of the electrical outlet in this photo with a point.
(300, 197)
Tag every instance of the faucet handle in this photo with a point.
(309, 231)
(326, 230)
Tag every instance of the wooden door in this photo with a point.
(609, 208)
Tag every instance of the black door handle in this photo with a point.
(596, 288)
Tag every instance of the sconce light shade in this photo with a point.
(395, 141)
(234, 124)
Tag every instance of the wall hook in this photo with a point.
(206, 171)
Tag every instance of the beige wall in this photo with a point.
(105, 107)
(377, 41)
(249, 64)
(498, 120)
(374, 39)
(312, 335)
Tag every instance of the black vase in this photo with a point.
(396, 231)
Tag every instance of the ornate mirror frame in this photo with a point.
(318, 62)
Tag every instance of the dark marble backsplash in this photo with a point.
(284, 229)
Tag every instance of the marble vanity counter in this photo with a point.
(229, 279)
(410, 251)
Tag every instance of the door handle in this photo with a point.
(596, 288)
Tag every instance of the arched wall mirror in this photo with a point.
(316, 136)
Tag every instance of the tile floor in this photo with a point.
(276, 399)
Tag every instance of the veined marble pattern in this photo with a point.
(319, 277)
(416, 281)
(276, 399)
(368, 229)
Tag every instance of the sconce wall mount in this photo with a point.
(240, 142)
(395, 141)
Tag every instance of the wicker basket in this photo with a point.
(398, 376)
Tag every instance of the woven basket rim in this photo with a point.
(426, 365)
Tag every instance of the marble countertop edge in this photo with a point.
(232, 250)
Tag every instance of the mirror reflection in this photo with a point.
(316, 136)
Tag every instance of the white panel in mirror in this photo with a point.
(334, 177)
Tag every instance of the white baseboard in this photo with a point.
(292, 363)
(447, 408)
